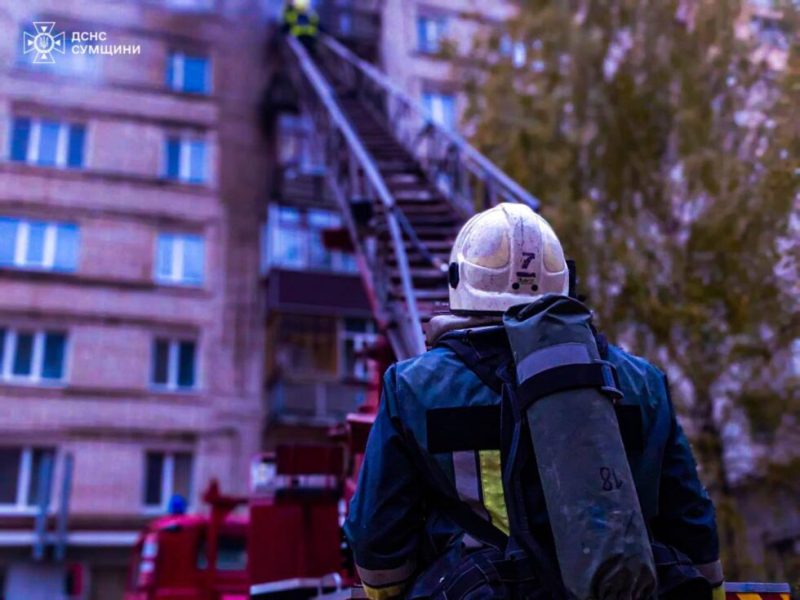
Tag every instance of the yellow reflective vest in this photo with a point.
(301, 23)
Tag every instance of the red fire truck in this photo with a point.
(282, 542)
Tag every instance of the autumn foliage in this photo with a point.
(663, 140)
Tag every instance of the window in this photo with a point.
(32, 356)
(188, 73)
(294, 240)
(180, 259)
(198, 5)
(186, 160)
(430, 33)
(305, 345)
(231, 553)
(44, 245)
(441, 108)
(355, 337)
(47, 143)
(174, 364)
(295, 148)
(20, 472)
(166, 474)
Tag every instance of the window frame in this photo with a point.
(177, 275)
(167, 489)
(176, 72)
(24, 504)
(9, 348)
(33, 145)
(277, 233)
(49, 245)
(429, 98)
(173, 366)
(185, 143)
(295, 147)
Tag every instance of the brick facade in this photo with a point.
(106, 411)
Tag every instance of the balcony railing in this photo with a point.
(315, 402)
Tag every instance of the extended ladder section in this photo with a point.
(404, 184)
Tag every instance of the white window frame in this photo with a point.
(22, 240)
(177, 71)
(37, 360)
(177, 275)
(34, 139)
(168, 480)
(185, 159)
(173, 356)
(24, 504)
(177, 59)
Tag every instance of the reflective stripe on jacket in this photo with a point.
(390, 526)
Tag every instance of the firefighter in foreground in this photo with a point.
(523, 456)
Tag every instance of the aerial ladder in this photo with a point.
(403, 183)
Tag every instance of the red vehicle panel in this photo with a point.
(171, 561)
(292, 531)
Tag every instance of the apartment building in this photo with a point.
(411, 50)
(131, 180)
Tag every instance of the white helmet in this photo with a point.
(502, 257)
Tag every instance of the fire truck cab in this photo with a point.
(281, 541)
(171, 560)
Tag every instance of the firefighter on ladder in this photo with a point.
(451, 502)
(301, 21)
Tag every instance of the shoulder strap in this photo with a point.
(485, 360)
(444, 496)
(516, 453)
(493, 364)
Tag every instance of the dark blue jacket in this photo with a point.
(395, 533)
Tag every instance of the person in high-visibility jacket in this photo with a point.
(430, 489)
(301, 21)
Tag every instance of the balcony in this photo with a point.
(314, 402)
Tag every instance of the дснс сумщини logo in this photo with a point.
(43, 42)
